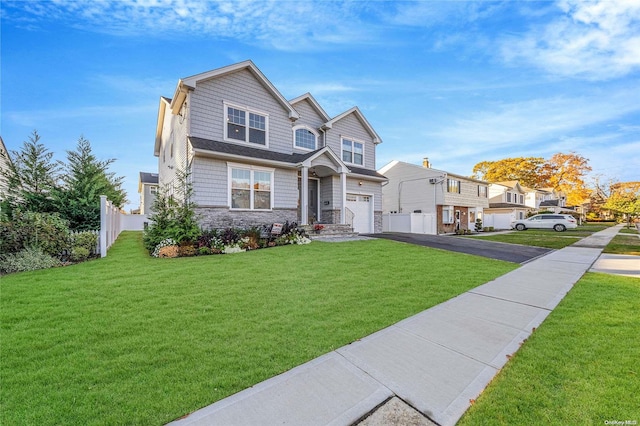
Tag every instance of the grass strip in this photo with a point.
(131, 339)
(580, 367)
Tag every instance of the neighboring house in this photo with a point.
(457, 201)
(506, 204)
(545, 199)
(147, 188)
(256, 158)
(5, 162)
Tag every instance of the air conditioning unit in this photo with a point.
(433, 180)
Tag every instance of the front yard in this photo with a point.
(131, 339)
(580, 367)
(546, 237)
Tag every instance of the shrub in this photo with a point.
(79, 254)
(168, 242)
(203, 251)
(186, 250)
(46, 231)
(87, 240)
(169, 251)
(29, 259)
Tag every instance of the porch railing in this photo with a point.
(348, 216)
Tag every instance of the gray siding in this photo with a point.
(173, 150)
(243, 89)
(367, 188)
(211, 186)
(351, 127)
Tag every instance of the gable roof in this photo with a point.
(150, 178)
(314, 104)
(513, 184)
(395, 163)
(190, 83)
(355, 111)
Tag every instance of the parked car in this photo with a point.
(557, 222)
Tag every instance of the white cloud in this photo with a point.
(539, 126)
(289, 26)
(597, 40)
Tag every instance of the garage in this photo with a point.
(362, 208)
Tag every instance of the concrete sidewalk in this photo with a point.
(436, 361)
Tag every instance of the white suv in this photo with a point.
(557, 222)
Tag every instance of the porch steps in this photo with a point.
(329, 230)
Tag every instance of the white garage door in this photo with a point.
(497, 220)
(362, 208)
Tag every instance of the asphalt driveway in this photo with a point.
(502, 251)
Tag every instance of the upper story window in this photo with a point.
(352, 152)
(304, 138)
(153, 190)
(482, 191)
(246, 126)
(453, 185)
(521, 199)
(508, 197)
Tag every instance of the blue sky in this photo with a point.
(456, 81)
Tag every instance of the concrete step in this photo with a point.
(329, 230)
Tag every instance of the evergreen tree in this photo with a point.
(31, 178)
(85, 179)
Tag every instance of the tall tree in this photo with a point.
(31, 178)
(566, 172)
(625, 199)
(526, 170)
(85, 179)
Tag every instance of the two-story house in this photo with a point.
(457, 201)
(545, 199)
(256, 158)
(506, 204)
(147, 188)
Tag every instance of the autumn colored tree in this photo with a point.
(562, 172)
(526, 170)
(625, 199)
(566, 173)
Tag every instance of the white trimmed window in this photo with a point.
(304, 138)
(245, 125)
(482, 191)
(250, 187)
(352, 152)
(447, 214)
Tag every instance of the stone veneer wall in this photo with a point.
(330, 216)
(377, 222)
(222, 217)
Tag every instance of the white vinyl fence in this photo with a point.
(415, 223)
(113, 221)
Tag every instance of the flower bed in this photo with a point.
(231, 240)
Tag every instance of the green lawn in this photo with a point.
(131, 339)
(626, 242)
(547, 237)
(580, 367)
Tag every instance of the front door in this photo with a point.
(313, 200)
(314, 214)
